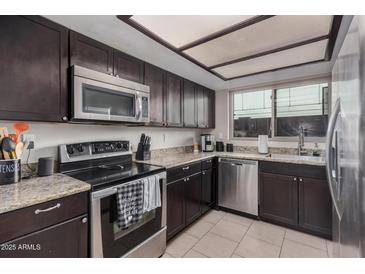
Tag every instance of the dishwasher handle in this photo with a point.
(237, 162)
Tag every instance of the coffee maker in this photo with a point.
(207, 141)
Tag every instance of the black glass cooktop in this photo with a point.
(105, 175)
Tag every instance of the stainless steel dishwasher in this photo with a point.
(238, 185)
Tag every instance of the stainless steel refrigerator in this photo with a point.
(345, 145)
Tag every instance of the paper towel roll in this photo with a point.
(263, 144)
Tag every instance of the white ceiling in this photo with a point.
(272, 33)
(180, 30)
(294, 56)
(115, 33)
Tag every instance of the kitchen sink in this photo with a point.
(295, 157)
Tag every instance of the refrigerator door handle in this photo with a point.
(329, 154)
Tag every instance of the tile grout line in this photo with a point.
(307, 245)
(242, 238)
(233, 222)
(281, 247)
(202, 237)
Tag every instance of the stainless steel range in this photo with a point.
(107, 166)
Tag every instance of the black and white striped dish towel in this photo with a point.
(130, 204)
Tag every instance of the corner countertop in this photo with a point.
(170, 160)
(37, 190)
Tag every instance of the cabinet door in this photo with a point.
(207, 189)
(65, 240)
(128, 67)
(210, 108)
(279, 198)
(193, 196)
(190, 115)
(154, 77)
(174, 96)
(315, 206)
(199, 93)
(87, 52)
(33, 69)
(175, 208)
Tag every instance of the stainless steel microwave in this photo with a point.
(98, 96)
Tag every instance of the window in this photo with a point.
(255, 113)
(306, 107)
(252, 113)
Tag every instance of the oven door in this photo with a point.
(94, 100)
(146, 238)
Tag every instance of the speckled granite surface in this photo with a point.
(172, 159)
(37, 190)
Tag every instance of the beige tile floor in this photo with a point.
(222, 235)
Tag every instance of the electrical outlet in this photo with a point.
(30, 138)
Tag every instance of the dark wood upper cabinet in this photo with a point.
(128, 67)
(210, 108)
(315, 206)
(174, 99)
(199, 97)
(33, 69)
(189, 105)
(175, 207)
(154, 77)
(205, 102)
(193, 196)
(89, 53)
(279, 198)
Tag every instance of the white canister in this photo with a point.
(263, 144)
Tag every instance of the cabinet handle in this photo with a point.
(117, 75)
(184, 179)
(37, 211)
(187, 179)
(186, 168)
(84, 220)
(300, 180)
(295, 179)
(203, 172)
(64, 118)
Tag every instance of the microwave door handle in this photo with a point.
(138, 107)
(330, 153)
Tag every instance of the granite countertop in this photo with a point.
(37, 190)
(170, 160)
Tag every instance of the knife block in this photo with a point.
(143, 152)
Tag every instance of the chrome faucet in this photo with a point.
(301, 150)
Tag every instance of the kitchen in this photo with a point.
(237, 138)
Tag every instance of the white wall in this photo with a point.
(221, 130)
(50, 135)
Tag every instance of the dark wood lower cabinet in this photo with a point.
(279, 198)
(193, 196)
(64, 240)
(296, 196)
(207, 189)
(175, 207)
(315, 206)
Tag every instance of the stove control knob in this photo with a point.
(80, 148)
(70, 150)
(125, 146)
(119, 145)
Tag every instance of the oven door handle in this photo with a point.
(103, 193)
